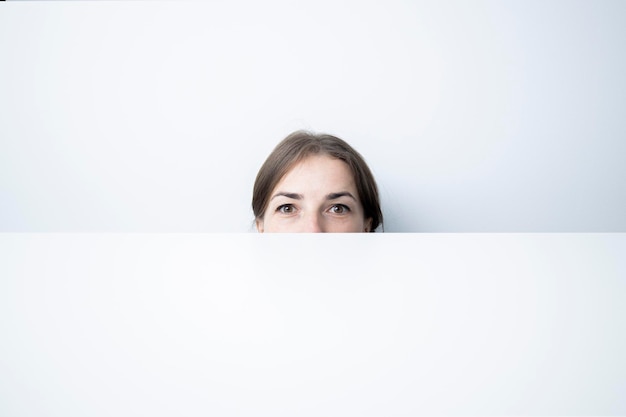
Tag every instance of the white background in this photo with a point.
(485, 116)
(203, 324)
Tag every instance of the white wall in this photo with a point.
(486, 116)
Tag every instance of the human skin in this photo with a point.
(317, 195)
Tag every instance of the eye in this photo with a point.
(339, 209)
(286, 209)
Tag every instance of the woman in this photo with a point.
(315, 183)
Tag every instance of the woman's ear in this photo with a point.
(367, 226)
(259, 225)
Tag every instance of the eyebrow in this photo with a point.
(334, 196)
(289, 195)
(331, 196)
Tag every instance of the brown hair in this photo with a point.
(297, 146)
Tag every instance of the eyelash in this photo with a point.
(282, 207)
(345, 208)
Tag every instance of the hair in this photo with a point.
(301, 144)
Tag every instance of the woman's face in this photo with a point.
(317, 195)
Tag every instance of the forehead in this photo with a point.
(318, 171)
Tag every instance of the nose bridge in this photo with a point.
(313, 222)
